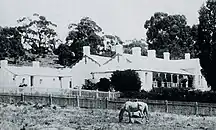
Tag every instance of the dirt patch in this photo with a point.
(29, 117)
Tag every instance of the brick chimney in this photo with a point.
(86, 50)
(166, 55)
(36, 64)
(4, 63)
(119, 49)
(187, 56)
(151, 54)
(136, 51)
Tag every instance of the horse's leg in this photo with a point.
(141, 115)
(146, 114)
(129, 115)
(121, 114)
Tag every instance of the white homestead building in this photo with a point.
(34, 76)
(94, 67)
(150, 67)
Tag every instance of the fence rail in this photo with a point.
(59, 92)
(98, 99)
(176, 107)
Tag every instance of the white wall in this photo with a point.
(7, 79)
(146, 80)
(82, 71)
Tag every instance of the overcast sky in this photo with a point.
(124, 18)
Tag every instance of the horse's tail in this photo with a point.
(122, 110)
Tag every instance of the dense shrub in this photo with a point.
(174, 94)
(135, 94)
(89, 85)
(104, 84)
(127, 80)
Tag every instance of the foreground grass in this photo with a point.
(16, 117)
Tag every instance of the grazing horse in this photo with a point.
(129, 107)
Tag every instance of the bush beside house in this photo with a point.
(127, 80)
(122, 81)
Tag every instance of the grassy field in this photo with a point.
(16, 117)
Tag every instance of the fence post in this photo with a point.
(196, 108)
(113, 94)
(22, 97)
(11, 101)
(50, 99)
(77, 99)
(109, 95)
(106, 101)
(166, 106)
(80, 93)
(96, 92)
(210, 110)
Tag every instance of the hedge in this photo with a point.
(173, 94)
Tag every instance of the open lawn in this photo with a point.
(15, 117)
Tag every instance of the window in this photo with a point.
(22, 84)
(14, 77)
(60, 79)
(31, 80)
(146, 78)
(23, 80)
(41, 81)
(70, 84)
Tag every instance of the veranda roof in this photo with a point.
(147, 65)
(41, 71)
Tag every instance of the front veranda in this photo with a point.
(168, 80)
(156, 79)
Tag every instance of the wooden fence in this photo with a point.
(184, 108)
(59, 92)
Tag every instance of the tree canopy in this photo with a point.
(136, 43)
(83, 33)
(206, 41)
(38, 34)
(170, 33)
(10, 43)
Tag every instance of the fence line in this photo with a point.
(176, 107)
(58, 92)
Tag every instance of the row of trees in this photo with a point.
(164, 33)
(37, 35)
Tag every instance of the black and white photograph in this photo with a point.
(107, 64)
